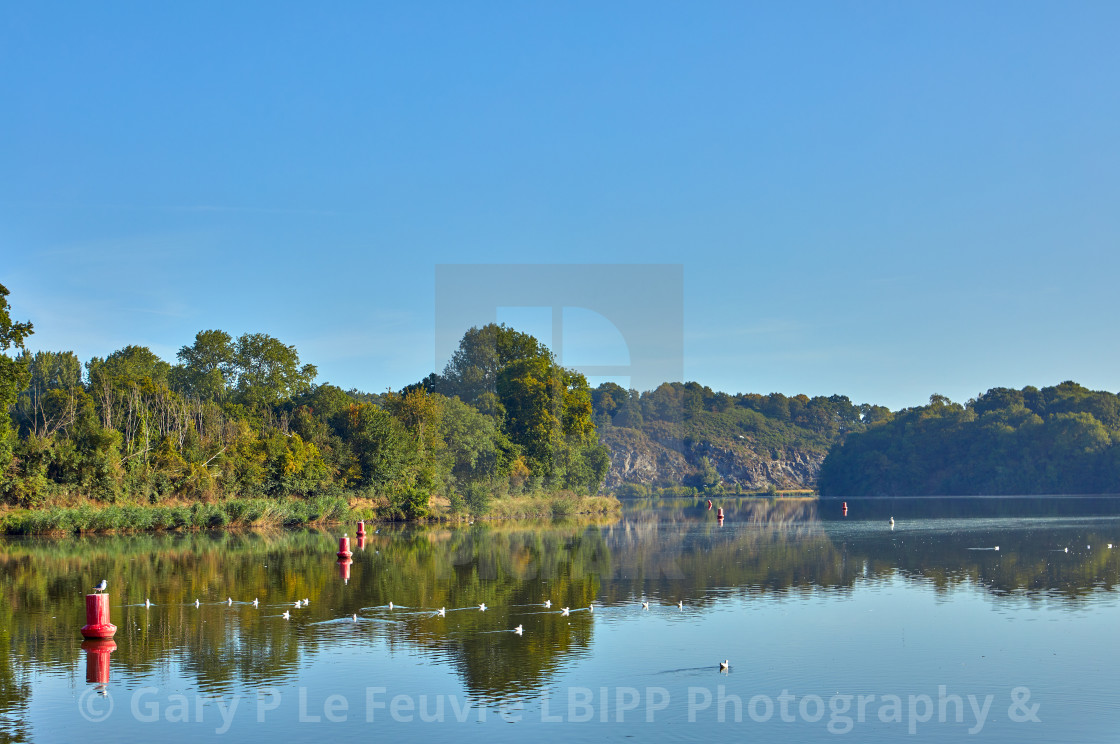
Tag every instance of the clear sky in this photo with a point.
(880, 199)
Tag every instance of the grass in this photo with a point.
(241, 513)
(148, 518)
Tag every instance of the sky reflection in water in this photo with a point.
(810, 607)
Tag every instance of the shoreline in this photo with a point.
(285, 512)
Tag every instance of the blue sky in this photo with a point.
(879, 199)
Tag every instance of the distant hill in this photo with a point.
(690, 434)
(1060, 439)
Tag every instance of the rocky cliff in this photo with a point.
(655, 458)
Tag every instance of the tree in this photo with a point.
(207, 366)
(13, 374)
(268, 372)
(480, 358)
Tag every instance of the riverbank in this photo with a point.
(246, 513)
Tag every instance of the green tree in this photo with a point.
(13, 375)
(206, 366)
(268, 372)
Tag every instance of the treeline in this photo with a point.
(1060, 439)
(692, 412)
(244, 417)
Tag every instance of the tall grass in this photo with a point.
(144, 518)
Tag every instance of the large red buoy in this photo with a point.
(344, 548)
(97, 660)
(97, 617)
(361, 528)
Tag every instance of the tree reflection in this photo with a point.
(676, 552)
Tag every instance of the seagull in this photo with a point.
(563, 612)
(1067, 550)
(548, 603)
(997, 547)
(645, 605)
(390, 605)
(892, 521)
(147, 603)
(256, 602)
(518, 630)
(482, 607)
(298, 604)
(680, 604)
(442, 612)
(306, 602)
(229, 601)
(102, 586)
(287, 615)
(354, 617)
(591, 607)
(724, 665)
(196, 603)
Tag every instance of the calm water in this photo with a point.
(832, 625)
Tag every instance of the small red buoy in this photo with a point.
(97, 617)
(709, 504)
(344, 569)
(344, 548)
(361, 529)
(719, 513)
(845, 508)
(97, 660)
(362, 543)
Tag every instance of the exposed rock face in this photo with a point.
(638, 458)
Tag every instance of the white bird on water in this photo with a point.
(518, 630)
(306, 601)
(390, 605)
(482, 607)
(102, 586)
(287, 615)
(196, 603)
(724, 665)
(442, 612)
(229, 601)
(147, 603)
(354, 617)
(680, 604)
(1110, 546)
(298, 604)
(892, 521)
(256, 602)
(645, 605)
(563, 612)
(591, 607)
(548, 603)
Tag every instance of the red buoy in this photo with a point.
(362, 543)
(845, 508)
(719, 513)
(97, 660)
(709, 504)
(344, 548)
(361, 528)
(97, 617)
(344, 569)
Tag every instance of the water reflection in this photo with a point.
(676, 552)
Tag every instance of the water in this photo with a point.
(827, 621)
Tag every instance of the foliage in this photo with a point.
(240, 421)
(1060, 439)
